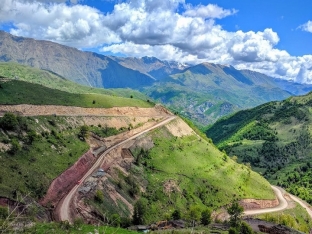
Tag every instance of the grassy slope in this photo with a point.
(21, 92)
(275, 138)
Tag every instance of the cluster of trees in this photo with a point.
(13, 123)
(194, 216)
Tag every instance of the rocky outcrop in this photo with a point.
(67, 180)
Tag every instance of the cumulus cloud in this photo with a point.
(75, 25)
(169, 30)
(209, 11)
(307, 26)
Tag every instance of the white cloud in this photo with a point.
(76, 25)
(169, 30)
(307, 26)
(209, 11)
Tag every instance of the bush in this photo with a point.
(245, 228)
(140, 210)
(206, 217)
(9, 121)
(3, 212)
(115, 220)
(99, 196)
(233, 230)
(83, 133)
(15, 146)
(176, 215)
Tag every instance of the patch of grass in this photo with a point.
(63, 228)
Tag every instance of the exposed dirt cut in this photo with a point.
(250, 204)
(67, 180)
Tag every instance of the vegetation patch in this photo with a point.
(296, 218)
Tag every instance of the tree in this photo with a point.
(206, 217)
(140, 210)
(194, 214)
(245, 228)
(83, 133)
(99, 196)
(176, 215)
(235, 211)
(115, 220)
(15, 146)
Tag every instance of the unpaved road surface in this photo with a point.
(35, 110)
(304, 205)
(63, 208)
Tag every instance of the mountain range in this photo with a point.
(202, 92)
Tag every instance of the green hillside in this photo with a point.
(22, 92)
(275, 138)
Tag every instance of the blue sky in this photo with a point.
(269, 36)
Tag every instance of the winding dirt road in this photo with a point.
(296, 199)
(282, 204)
(63, 207)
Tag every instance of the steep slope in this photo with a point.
(275, 138)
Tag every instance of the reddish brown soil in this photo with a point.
(67, 180)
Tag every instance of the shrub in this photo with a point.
(115, 220)
(206, 217)
(140, 210)
(15, 146)
(9, 121)
(99, 196)
(176, 215)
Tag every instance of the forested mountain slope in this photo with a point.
(275, 138)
